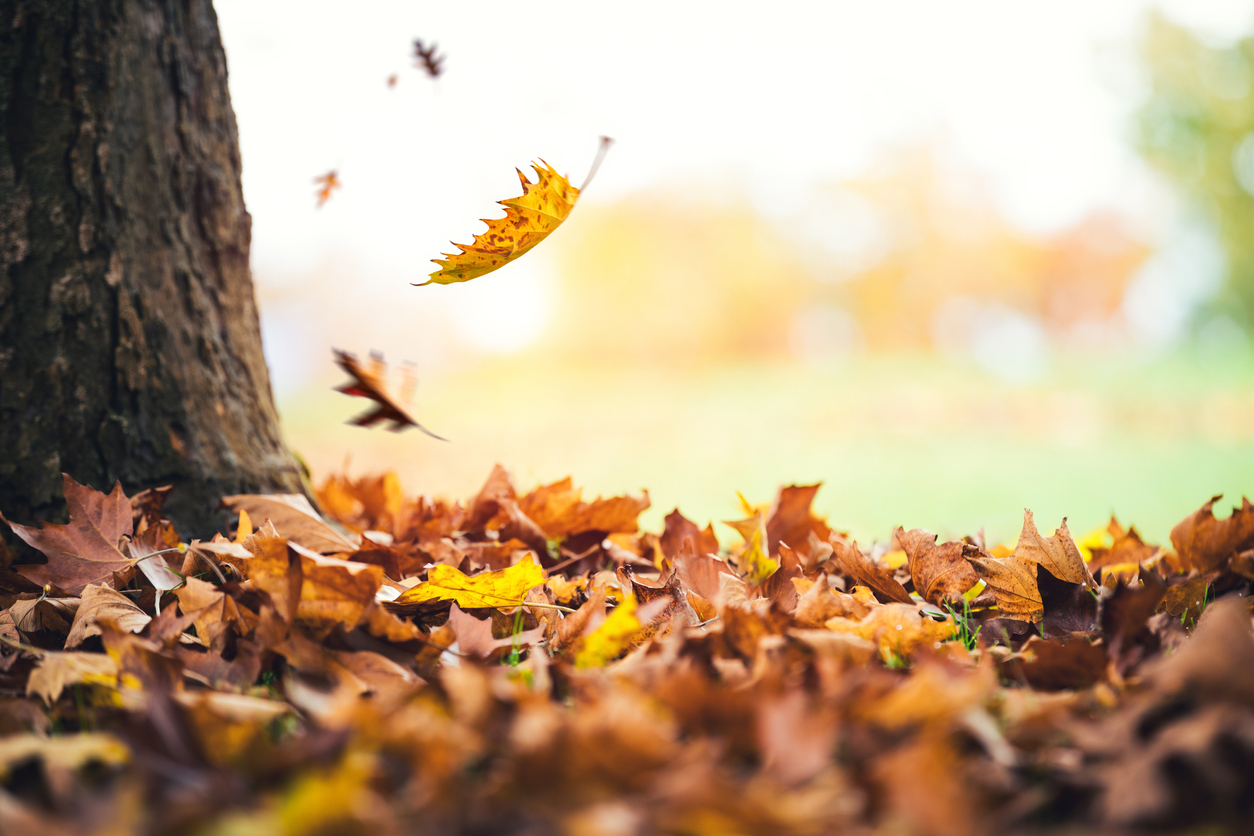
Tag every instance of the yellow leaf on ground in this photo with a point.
(606, 642)
(753, 563)
(502, 588)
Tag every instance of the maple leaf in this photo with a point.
(500, 589)
(84, 550)
(1058, 554)
(369, 383)
(326, 183)
(426, 58)
(529, 219)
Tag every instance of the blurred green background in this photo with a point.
(893, 321)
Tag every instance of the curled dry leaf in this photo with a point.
(103, 604)
(293, 518)
(792, 521)
(854, 564)
(37, 614)
(529, 219)
(1058, 554)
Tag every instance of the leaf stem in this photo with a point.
(606, 142)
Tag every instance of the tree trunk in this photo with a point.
(129, 339)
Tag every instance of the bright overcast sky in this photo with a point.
(767, 97)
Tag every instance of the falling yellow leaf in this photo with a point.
(503, 588)
(604, 643)
(529, 218)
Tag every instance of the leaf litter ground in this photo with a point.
(533, 663)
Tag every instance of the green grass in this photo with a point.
(911, 440)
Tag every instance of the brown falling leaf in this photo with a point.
(369, 382)
(854, 564)
(426, 58)
(1205, 543)
(940, 571)
(84, 550)
(1058, 554)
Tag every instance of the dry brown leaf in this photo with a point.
(1205, 543)
(293, 518)
(1058, 554)
(37, 614)
(854, 564)
(792, 522)
(1013, 582)
(940, 572)
(102, 604)
(85, 550)
(896, 628)
(819, 603)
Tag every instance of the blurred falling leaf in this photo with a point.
(427, 59)
(529, 219)
(369, 383)
(326, 183)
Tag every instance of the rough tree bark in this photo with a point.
(129, 340)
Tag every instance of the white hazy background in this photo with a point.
(764, 100)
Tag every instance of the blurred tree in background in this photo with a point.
(1197, 128)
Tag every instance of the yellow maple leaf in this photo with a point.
(502, 588)
(604, 643)
(529, 218)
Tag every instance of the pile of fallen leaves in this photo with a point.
(534, 663)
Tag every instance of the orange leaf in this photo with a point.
(529, 219)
